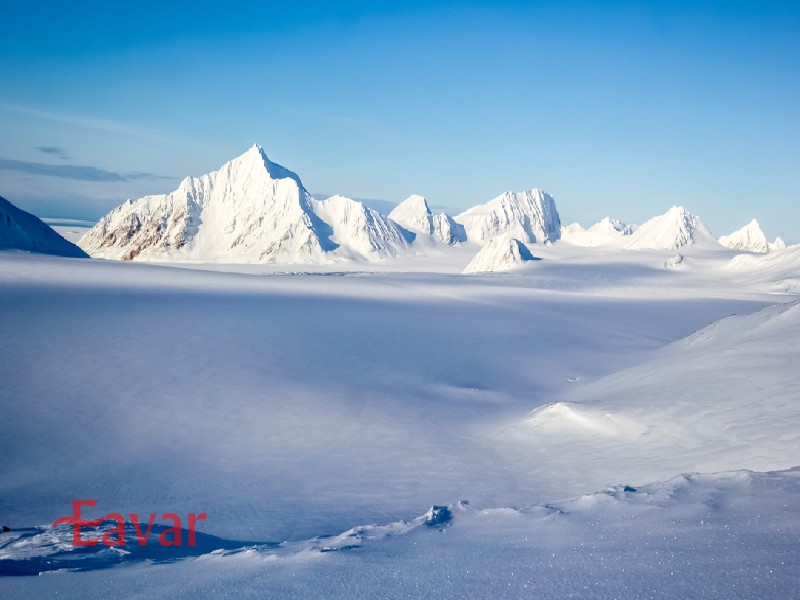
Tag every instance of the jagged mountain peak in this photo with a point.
(674, 229)
(415, 215)
(416, 202)
(751, 238)
(255, 160)
(530, 216)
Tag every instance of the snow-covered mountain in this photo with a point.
(414, 215)
(608, 232)
(751, 238)
(358, 231)
(250, 210)
(502, 253)
(20, 230)
(674, 229)
(529, 216)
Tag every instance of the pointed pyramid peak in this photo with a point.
(674, 229)
(749, 238)
(255, 159)
(416, 202)
(413, 213)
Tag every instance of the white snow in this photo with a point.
(359, 232)
(414, 215)
(529, 216)
(503, 253)
(674, 229)
(607, 232)
(255, 211)
(750, 238)
(618, 428)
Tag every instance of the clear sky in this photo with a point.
(619, 108)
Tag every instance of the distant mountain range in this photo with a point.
(252, 210)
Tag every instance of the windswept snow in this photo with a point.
(529, 216)
(722, 535)
(778, 271)
(20, 230)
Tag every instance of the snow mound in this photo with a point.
(674, 229)
(607, 232)
(676, 262)
(414, 215)
(779, 269)
(500, 254)
(249, 211)
(751, 238)
(20, 230)
(567, 418)
(529, 216)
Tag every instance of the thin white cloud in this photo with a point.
(78, 172)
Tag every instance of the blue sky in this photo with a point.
(620, 108)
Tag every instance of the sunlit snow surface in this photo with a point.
(320, 417)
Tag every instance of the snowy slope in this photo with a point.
(607, 232)
(20, 230)
(414, 215)
(778, 271)
(751, 238)
(326, 414)
(722, 398)
(529, 216)
(674, 229)
(502, 253)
